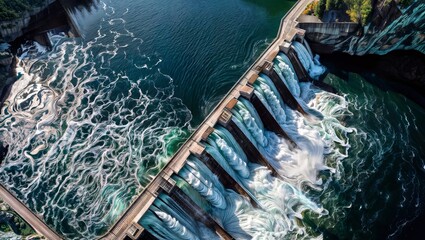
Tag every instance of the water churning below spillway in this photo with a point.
(282, 200)
(312, 65)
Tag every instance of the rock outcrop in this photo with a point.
(10, 30)
(390, 29)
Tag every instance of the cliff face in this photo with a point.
(10, 30)
(390, 29)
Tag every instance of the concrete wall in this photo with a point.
(323, 37)
(341, 29)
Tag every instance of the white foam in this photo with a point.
(94, 148)
(4, 46)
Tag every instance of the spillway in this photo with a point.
(246, 171)
(246, 175)
(312, 65)
(93, 124)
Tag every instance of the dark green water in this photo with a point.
(379, 188)
(204, 46)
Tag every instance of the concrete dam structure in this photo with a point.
(230, 171)
(189, 198)
(120, 135)
(227, 144)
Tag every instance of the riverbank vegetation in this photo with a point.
(10, 221)
(13, 9)
(359, 11)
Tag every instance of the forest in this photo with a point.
(359, 11)
(12, 9)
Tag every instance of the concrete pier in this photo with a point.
(324, 86)
(144, 236)
(281, 87)
(193, 210)
(247, 146)
(227, 180)
(301, 72)
(267, 118)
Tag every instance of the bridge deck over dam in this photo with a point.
(128, 227)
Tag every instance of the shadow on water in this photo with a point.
(403, 71)
(386, 116)
(56, 18)
(3, 152)
(273, 7)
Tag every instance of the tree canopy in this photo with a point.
(12, 9)
(358, 10)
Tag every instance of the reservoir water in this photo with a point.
(91, 121)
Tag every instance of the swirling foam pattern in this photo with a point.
(379, 182)
(84, 137)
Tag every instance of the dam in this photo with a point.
(217, 162)
(180, 198)
(124, 133)
(222, 158)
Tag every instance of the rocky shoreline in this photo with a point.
(7, 76)
(391, 27)
(34, 25)
(392, 45)
(13, 226)
(12, 29)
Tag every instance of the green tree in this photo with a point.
(365, 10)
(405, 3)
(359, 10)
(320, 8)
(12, 9)
(330, 4)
